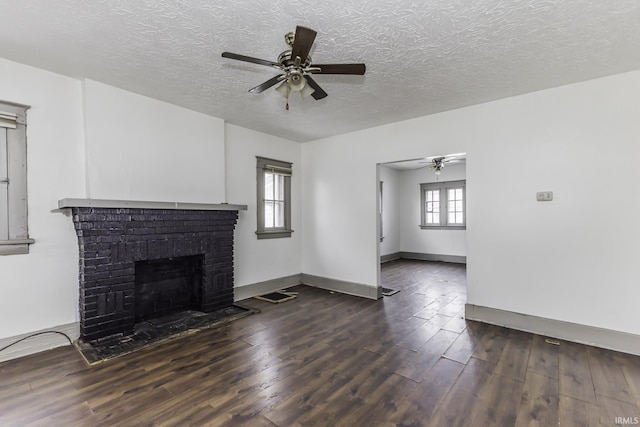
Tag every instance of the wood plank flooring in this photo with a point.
(327, 359)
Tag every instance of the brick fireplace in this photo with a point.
(140, 260)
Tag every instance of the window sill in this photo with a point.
(15, 247)
(443, 227)
(276, 234)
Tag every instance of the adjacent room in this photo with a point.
(319, 213)
(423, 209)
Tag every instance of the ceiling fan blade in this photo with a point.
(266, 85)
(318, 92)
(302, 43)
(356, 69)
(250, 59)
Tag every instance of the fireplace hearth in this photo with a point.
(143, 260)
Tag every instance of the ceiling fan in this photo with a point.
(437, 163)
(296, 67)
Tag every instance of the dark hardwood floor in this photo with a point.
(328, 359)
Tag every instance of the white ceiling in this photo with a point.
(421, 57)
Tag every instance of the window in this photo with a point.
(14, 235)
(443, 205)
(432, 208)
(274, 198)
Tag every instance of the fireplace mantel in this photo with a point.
(141, 204)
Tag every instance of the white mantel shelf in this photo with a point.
(141, 204)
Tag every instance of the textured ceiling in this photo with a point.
(422, 57)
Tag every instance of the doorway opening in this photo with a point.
(422, 218)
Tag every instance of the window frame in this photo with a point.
(381, 210)
(14, 225)
(279, 167)
(443, 188)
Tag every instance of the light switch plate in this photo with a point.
(544, 196)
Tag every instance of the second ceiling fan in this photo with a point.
(437, 163)
(296, 67)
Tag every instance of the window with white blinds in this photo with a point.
(274, 198)
(14, 235)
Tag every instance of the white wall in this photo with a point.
(40, 289)
(413, 238)
(135, 148)
(260, 260)
(571, 259)
(391, 210)
(140, 148)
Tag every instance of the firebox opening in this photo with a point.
(169, 285)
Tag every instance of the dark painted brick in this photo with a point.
(112, 240)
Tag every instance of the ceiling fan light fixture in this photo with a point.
(284, 89)
(296, 81)
(306, 90)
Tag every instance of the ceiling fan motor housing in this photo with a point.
(287, 61)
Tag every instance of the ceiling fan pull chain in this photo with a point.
(287, 106)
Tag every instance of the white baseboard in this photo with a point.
(38, 343)
(350, 288)
(583, 334)
(261, 288)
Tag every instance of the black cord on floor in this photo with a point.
(36, 334)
